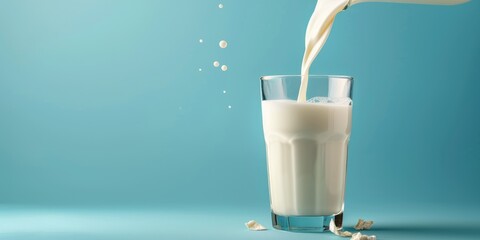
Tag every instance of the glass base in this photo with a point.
(306, 223)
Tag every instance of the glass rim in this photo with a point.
(271, 77)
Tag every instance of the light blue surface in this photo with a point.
(102, 104)
(219, 223)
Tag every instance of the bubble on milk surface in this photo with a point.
(339, 101)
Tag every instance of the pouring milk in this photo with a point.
(307, 140)
(320, 25)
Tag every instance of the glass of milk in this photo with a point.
(306, 145)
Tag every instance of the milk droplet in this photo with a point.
(199, 69)
(200, 40)
(223, 44)
(224, 91)
(220, 5)
(229, 106)
(216, 64)
(224, 68)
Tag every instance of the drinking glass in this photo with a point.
(306, 145)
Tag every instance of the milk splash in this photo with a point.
(320, 24)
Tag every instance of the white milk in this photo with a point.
(307, 142)
(320, 25)
(318, 29)
(306, 156)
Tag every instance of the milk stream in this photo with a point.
(318, 29)
(320, 24)
(307, 142)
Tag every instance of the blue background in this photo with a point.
(102, 105)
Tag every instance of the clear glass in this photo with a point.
(306, 144)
